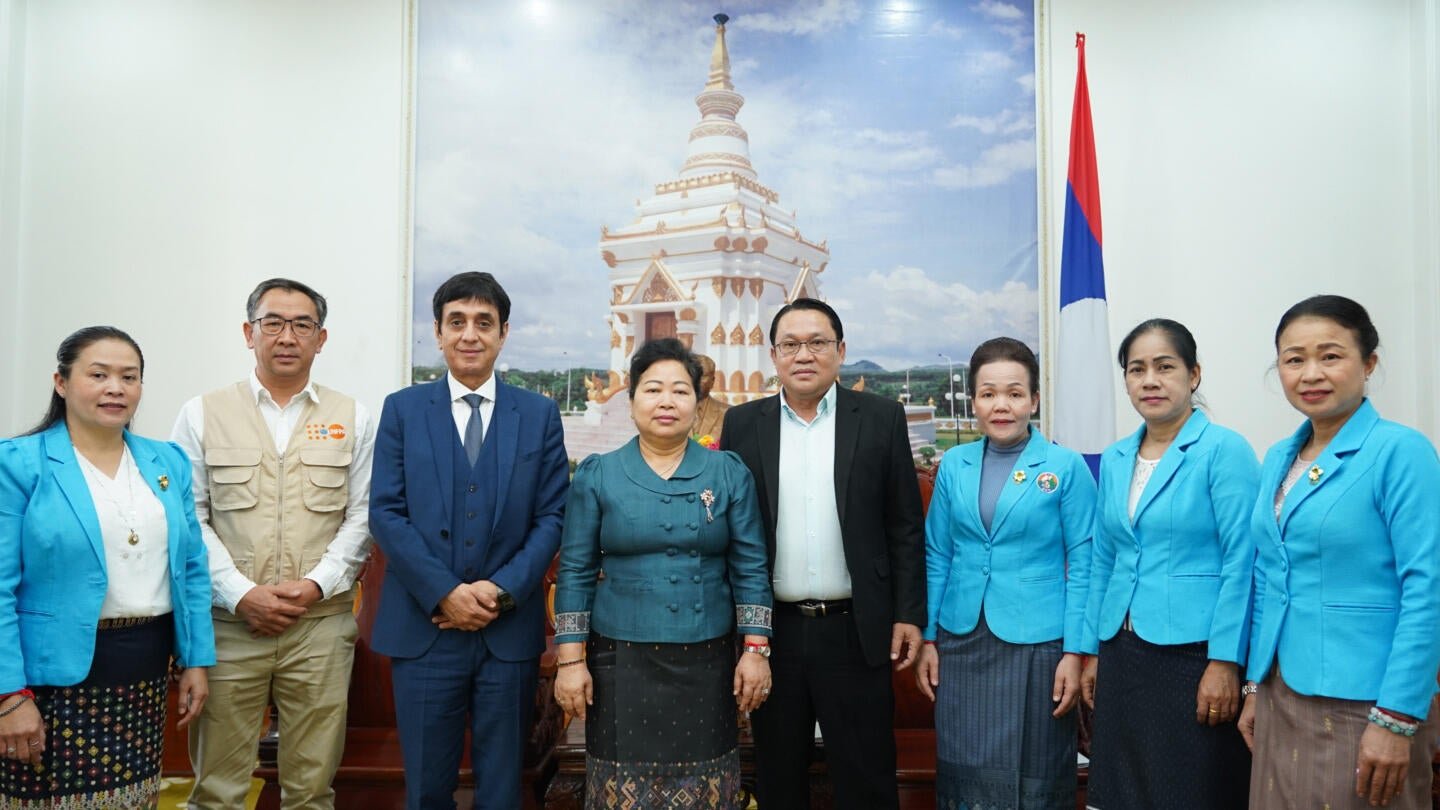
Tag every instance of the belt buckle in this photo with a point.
(814, 608)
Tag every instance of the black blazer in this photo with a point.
(878, 497)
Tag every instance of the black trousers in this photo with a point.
(820, 673)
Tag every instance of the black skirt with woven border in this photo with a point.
(103, 736)
(662, 730)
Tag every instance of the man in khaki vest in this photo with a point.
(282, 481)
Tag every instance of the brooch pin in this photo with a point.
(1019, 476)
(164, 482)
(708, 498)
(1315, 473)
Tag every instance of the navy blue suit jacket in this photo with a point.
(410, 516)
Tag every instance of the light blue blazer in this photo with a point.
(1016, 571)
(1347, 584)
(1182, 567)
(52, 559)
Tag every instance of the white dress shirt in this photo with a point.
(335, 573)
(460, 409)
(138, 574)
(809, 548)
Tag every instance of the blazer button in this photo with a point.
(665, 499)
(674, 578)
(473, 487)
(469, 515)
(444, 534)
(690, 498)
(985, 570)
(667, 526)
(987, 546)
(695, 579)
(698, 607)
(673, 607)
(671, 552)
(693, 526)
(694, 552)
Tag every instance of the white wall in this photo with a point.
(175, 153)
(158, 158)
(1252, 154)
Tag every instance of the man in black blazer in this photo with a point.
(845, 532)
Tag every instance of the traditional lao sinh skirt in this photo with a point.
(1307, 748)
(103, 735)
(997, 745)
(662, 730)
(1146, 750)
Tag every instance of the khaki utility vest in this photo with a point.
(277, 513)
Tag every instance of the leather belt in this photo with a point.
(817, 607)
(129, 621)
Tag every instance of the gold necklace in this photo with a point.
(668, 470)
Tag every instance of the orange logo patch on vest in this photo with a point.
(318, 431)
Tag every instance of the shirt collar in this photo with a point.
(827, 404)
(458, 389)
(262, 394)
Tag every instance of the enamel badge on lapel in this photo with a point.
(1315, 473)
(164, 482)
(1019, 476)
(1048, 482)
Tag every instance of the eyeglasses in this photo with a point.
(274, 324)
(817, 346)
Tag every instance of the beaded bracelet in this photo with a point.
(25, 694)
(1384, 720)
(570, 663)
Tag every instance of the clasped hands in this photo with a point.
(471, 606)
(269, 610)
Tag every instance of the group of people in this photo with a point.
(1202, 604)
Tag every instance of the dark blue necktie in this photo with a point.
(474, 429)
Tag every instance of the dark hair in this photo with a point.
(65, 357)
(1340, 310)
(472, 286)
(1180, 340)
(253, 302)
(1002, 349)
(812, 304)
(660, 350)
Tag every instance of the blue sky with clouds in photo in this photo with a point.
(902, 132)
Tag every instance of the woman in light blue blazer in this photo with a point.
(1169, 592)
(103, 577)
(1346, 630)
(1007, 559)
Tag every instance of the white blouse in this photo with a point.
(1144, 468)
(136, 535)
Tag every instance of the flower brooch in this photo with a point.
(708, 498)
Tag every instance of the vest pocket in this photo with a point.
(326, 474)
(234, 482)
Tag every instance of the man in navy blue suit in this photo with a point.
(467, 497)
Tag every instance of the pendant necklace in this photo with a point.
(126, 517)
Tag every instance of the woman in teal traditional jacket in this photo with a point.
(1007, 559)
(1169, 592)
(103, 577)
(662, 561)
(1346, 639)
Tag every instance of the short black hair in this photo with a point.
(659, 350)
(1002, 349)
(1343, 311)
(812, 304)
(289, 285)
(472, 286)
(1180, 340)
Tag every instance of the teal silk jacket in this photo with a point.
(644, 558)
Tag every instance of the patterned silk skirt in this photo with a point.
(102, 736)
(1146, 750)
(997, 745)
(661, 733)
(1307, 749)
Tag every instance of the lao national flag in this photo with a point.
(1084, 395)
